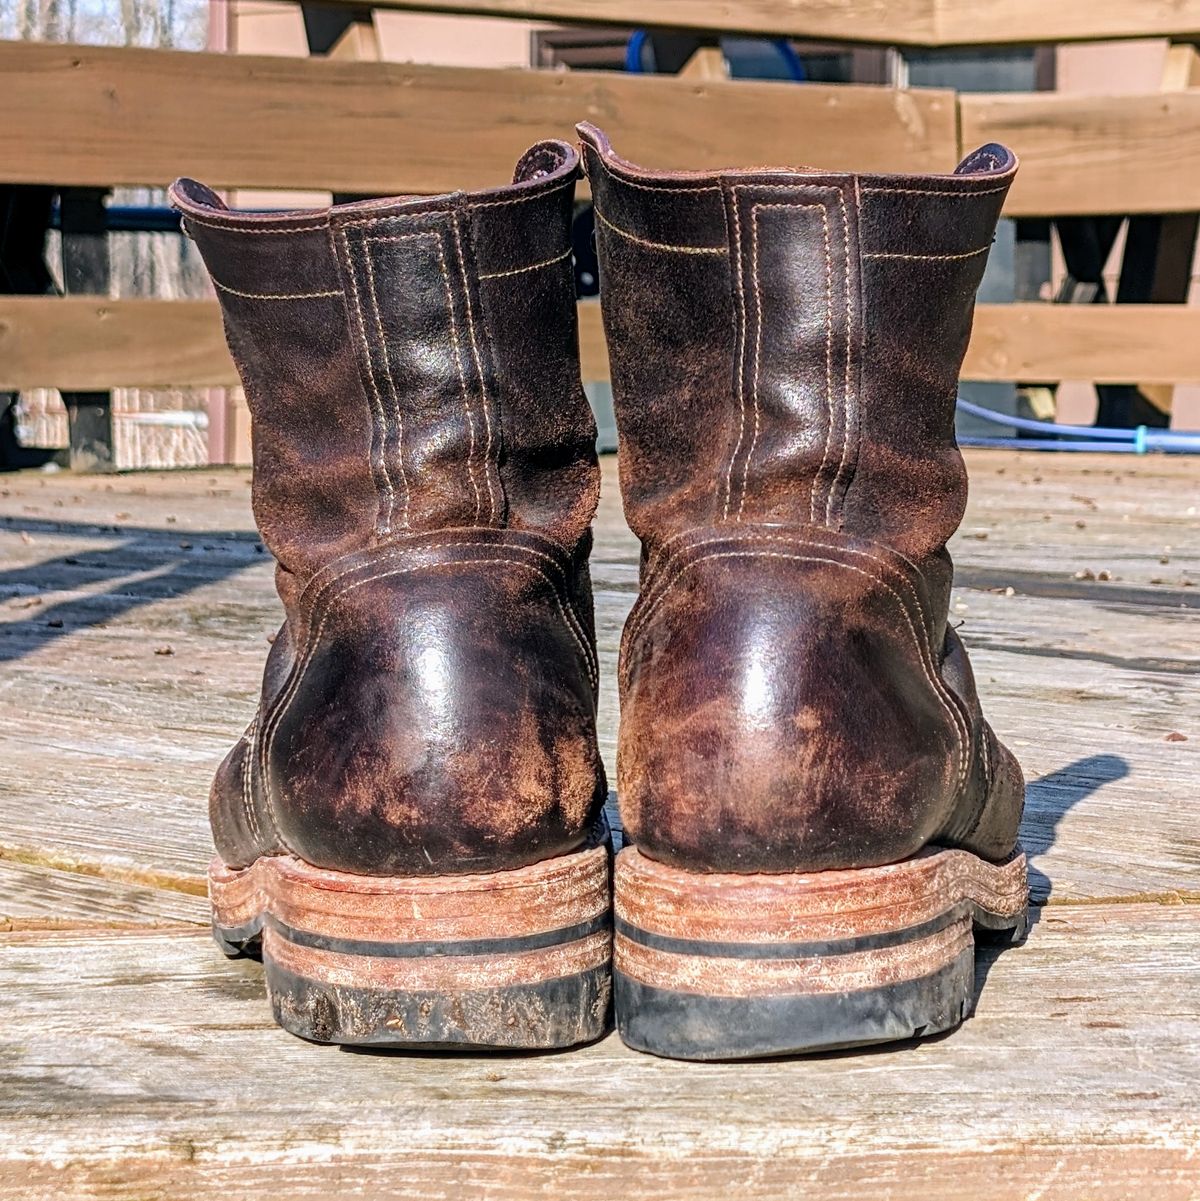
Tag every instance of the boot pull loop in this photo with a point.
(992, 159)
(186, 196)
(544, 160)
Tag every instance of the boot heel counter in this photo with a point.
(440, 718)
(784, 710)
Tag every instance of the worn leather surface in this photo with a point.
(785, 347)
(425, 476)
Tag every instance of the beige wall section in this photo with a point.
(262, 27)
(1107, 69)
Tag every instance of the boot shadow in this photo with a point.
(1047, 801)
(132, 567)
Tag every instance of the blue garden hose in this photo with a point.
(1138, 441)
(789, 60)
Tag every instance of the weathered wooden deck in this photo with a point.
(136, 1062)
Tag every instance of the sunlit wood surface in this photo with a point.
(136, 1062)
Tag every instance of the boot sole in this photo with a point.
(723, 966)
(515, 959)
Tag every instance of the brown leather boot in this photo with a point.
(820, 812)
(413, 819)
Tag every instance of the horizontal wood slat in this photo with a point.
(100, 116)
(898, 22)
(95, 116)
(1093, 154)
(84, 344)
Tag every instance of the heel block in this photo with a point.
(517, 959)
(723, 966)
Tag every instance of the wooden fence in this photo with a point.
(98, 117)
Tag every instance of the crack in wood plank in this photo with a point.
(191, 885)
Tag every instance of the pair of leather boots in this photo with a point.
(818, 817)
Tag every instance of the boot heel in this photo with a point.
(517, 959)
(723, 966)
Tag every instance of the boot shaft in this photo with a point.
(785, 348)
(425, 475)
(410, 364)
(785, 344)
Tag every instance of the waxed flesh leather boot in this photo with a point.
(820, 816)
(411, 824)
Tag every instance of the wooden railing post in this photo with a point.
(86, 271)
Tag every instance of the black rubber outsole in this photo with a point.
(680, 1025)
(550, 1014)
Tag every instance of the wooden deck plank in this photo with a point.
(36, 897)
(1077, 1077)
(1086, 677)
(86, 344)
(102, 116)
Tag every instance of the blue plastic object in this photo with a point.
(1139, 441)
(745, 55)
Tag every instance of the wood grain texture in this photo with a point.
(90, 344)
(83, 344)
(894, 22)
(1093, 154)
(1087, 678)
(1077, 1077)
(86, 115)
(140, 1063)
(35, 897)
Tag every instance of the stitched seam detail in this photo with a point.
(298, 675)
(924, 652)
(558, 258)
(841, 467)
(392, 218)
(661, 556)
(641, 187)
(312, 596)
(378, 420)
(458, 360)
(661, 562)
(247, 794)
(968, 254)
(958, 193)
(649, 598)
(655, 594)
(387, 369)
(272, 295)
(320, 593)
(484, 399)
(986, 750)
(754, 210)
(188, 219)
(988, 781)
(674, 249)
(527, 199)
(740, 365)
